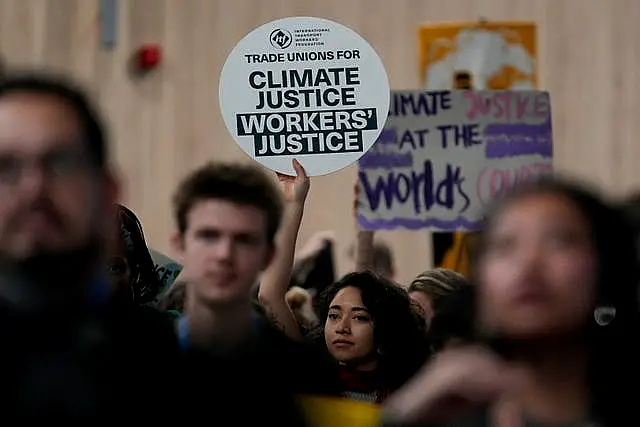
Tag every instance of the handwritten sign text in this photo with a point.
(444, 155)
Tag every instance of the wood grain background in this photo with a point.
(169, 122)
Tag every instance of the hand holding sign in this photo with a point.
(295, 188)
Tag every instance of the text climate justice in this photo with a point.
(316, 112)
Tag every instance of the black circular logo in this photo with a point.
(280, 39)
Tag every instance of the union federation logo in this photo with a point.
(280, 39)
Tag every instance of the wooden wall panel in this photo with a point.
(169, 122)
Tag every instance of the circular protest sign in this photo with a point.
(307, 89)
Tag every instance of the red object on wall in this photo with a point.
(148, 57)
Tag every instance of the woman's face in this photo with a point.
(119, 272)
(119, 269)
(537, 275)
(348, 330)
(424, 304)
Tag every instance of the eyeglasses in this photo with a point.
(54, 165)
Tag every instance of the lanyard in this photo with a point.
(183, 330)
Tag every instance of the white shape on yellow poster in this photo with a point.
(478, 55)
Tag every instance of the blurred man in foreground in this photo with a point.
(69, 350)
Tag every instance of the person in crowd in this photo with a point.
(432, 286)
(71, 350)
(452, 324)
(372, 254)
(383, 262)
(370, 360)
(227, 218)
(550, 253)
(313, 267)
(369, 253)
(132, 269)
(300, 302)
(371, 330)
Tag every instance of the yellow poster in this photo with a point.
(332, 412)
(476, 55)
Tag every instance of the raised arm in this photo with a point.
(275, 280)
(364, 240)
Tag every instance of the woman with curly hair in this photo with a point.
(367, 324)
(132, 270)
(371, 330)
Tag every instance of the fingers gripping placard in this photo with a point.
(304, 88)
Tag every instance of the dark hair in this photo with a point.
(613, 353)
(631, 207)
(234, 182)
(71, 94)
(145, 282)
(453, 319)
(315, 271)
(399, 331)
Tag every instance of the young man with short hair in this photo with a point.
(227, 217)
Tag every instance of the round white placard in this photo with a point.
(307, 89)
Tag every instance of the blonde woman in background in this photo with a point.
(431, 287)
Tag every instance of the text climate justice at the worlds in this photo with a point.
(306, 110)
(455, 150)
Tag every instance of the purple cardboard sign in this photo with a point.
(444, 155)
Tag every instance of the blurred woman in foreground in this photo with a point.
(550, 255)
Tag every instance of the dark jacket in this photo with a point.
(259, 384)
(107, 364)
